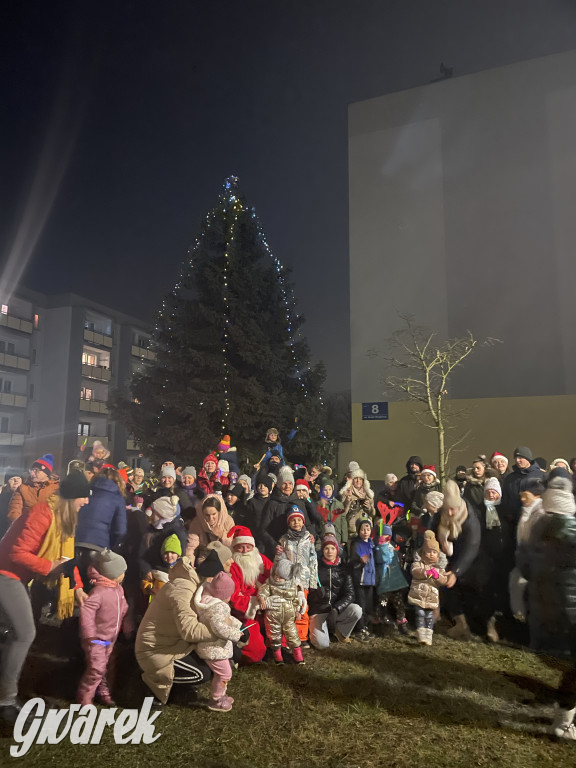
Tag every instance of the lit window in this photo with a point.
(36, 321)
(4, 309)
(84, 429)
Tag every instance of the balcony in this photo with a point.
(91, 439)
(100, 339)
(16, 401)
(143, 353)
(11, 438)
(14, 361)
(96, 372)
(93, 406)
(16, 323)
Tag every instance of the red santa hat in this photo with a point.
(241, 535)
(498, 455)
(301, 483)
(430, 468)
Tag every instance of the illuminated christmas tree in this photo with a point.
(230, 355)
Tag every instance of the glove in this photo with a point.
(245, 636)
(433, 573)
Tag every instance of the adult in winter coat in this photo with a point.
(136, 488)
(525, 469)
(36, 546)
(255, 508)
(212, 523)
(457, 530)
(428, 482)
(474, 488)
(331, 606)
(36, 488)
(210, 474)
(168, 488)
(275, 515)
(169, 633)
(358, 500)
(407, 484)
(551, 574)
(12, 481)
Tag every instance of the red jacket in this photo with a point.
(206, 484)
(21, 543)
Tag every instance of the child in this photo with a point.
(331, 510)
(284, 604)
(230, 454)
(272, 441)
(211, 604)
(171, 550)
(363, 574)
(298, 547)
(390, 580)
(101, 617)
(532, 511)
(428, 573)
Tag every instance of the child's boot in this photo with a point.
(278, 658)
(562, 725)
(403, 626)
(297, 654)
(491, 631)
(103, 693)
(428, 636)
(421, 635)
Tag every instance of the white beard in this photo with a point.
(251, 565)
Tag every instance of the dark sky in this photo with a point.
(136, 111)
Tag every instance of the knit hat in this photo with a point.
(360, 522)
(462, 468)
(237, 490)
(265, 480)
(189, 471)
(430, 543)
(352, 466)
(498, 455)
(210, 457)
(558, 496)
(74, 486)
(109, 564)
(166, 507)
(10, 473)
(168, 472)
(452, 496)
(275, 452)
(492, 484)
(386, 531)
(222, 586)
(434, 499)
(534, 486)
(241, 535)
(293, 512)
(329, 538)
(98, 445)
(523, 452)
(428, 468)
(358, 473)
(224, 444)
(210, 566)
(223, 552)
(172, 544)
(285, 475)
(301, 483)
(45, 463)
(283, 569)
(390, 478)
(557, 462)
(247, 479)
(223, 466)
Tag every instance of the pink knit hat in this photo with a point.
(222, 586)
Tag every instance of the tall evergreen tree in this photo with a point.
(231, 358)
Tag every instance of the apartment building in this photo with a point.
(60, 358)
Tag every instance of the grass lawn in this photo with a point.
(388, 703)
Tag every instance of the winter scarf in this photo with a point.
(334, 562)
(296, 535)
(52, 548)
(492, 517)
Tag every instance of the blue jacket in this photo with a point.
(389, 576)
(102, 522)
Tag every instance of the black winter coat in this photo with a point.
(551, 574)
(407, 484)
(512, 485)
(274, 523)
(337, 590)
(466, 546)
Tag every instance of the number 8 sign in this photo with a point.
(374, 411)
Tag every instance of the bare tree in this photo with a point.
(424, 366)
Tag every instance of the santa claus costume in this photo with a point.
(250, 570)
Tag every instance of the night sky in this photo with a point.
(131, 114)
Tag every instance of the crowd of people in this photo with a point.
(215, 568)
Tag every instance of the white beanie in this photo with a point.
(166, 507)
(492, 484)
(390, 478)
(169, 472)
(285, 475)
